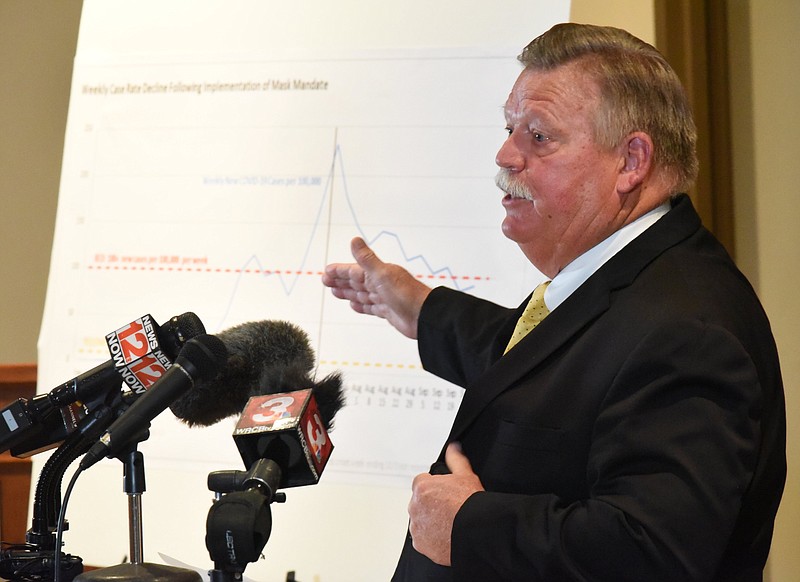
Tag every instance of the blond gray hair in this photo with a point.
(639, 91)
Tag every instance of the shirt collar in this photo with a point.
(578, 271)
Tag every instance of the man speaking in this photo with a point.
(626, 421)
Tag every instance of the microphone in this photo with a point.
(268, 362)
(283, 441)
(199, 358)
(141, 352)
(286, 428)
(264, 357)
(281, 434)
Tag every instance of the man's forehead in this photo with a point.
(564, 84)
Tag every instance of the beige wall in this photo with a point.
(37, 42)
(637, 17)
(37, 45)
(766, 153)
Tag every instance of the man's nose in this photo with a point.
(509, 156)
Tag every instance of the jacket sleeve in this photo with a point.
(460, 336)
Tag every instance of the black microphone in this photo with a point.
(264, 357)
(141, 353)
(285, 428)
(199, 358)
(281, 433)
(137, 349)
(283, 441)
(270, 365)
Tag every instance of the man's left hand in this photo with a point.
(435, 500)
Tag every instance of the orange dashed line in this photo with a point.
(355, 364)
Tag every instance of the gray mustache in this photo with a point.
(508, 184)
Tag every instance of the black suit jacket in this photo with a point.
(638, 433)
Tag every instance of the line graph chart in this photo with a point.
(289, 278)
(231, 204)
(292, 220)
(216, 158)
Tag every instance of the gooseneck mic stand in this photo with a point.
(38, 557)
(240, 521)
(137, 570)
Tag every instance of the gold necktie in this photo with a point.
(535, 312)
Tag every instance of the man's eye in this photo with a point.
(540, 137)
(509, 130)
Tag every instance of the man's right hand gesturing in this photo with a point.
(377, 288)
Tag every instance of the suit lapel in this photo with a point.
(587, 303)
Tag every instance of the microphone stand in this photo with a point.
(137, 570)
(35, 560)
(240, 521)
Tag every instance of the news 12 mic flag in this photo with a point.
(137, 354)
(288, 429)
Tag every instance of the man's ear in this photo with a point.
(637, 157)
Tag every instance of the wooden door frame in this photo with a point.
(693, 36)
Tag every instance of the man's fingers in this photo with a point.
(364, 256)
(336, 271)
(456, 461)
(344, 275)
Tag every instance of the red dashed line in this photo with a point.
(255, 271)
(453, 277)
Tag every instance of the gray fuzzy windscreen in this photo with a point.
(264, 357)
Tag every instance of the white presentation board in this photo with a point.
(217, 156)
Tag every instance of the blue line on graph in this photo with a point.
(289, 285)
(408, 258)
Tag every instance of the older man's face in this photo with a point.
(560, 185)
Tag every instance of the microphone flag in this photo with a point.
(288, 429)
